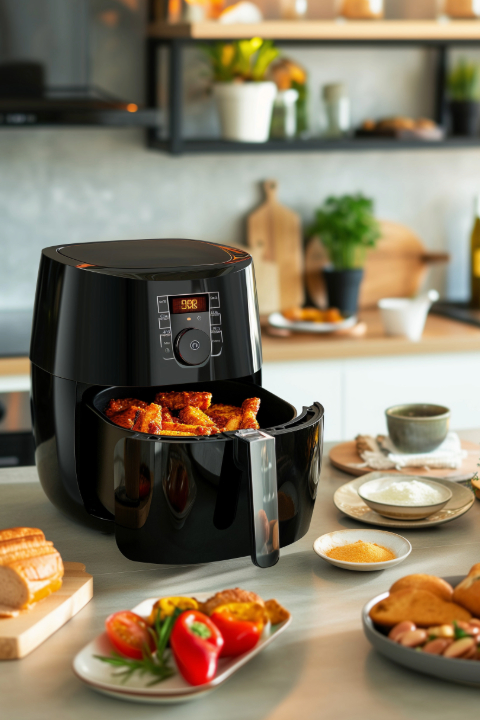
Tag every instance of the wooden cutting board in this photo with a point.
(395, 268)
(345, 456)
(274, 238)
(20, 635)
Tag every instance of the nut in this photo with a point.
(442, 631)
(460, 648)
(413, 638)
(400, 629)
(437, 646)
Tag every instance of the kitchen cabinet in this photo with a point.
(355, 392)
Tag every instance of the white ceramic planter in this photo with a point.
(245, 109)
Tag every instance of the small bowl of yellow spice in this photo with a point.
(362, 550)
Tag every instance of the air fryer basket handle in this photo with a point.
(260, 460)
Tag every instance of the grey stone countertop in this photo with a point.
(322, 667)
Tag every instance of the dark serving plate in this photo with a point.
(466, 672)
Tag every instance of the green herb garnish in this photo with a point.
(156, 663)
(459, 633)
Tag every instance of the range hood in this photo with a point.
(73, 63)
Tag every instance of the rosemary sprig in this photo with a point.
(155, 663)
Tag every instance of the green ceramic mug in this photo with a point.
(417, 428)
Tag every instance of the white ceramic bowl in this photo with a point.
(396, 543)
(403, 512)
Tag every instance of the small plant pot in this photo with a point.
(342, 289)
(245, 109)
(465, 116)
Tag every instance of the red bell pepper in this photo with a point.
(240, 636)
(196, 645)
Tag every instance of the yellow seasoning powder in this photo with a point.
(361, 552)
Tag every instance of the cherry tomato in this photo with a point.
(129, 634)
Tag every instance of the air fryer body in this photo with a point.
(109, 322)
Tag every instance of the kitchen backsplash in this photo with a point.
(67, 185)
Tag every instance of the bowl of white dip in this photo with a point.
(404, 497)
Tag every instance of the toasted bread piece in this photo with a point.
(419, 606)
(149, 420)
(467, 593)
(186, 429)
(225, 597)
(275, 612)
(119, 406)
(419, 581)
(226, 417)
(30, 567)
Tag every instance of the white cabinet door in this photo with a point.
(303, 383)
(372, 385)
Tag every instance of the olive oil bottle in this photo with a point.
(475, 256)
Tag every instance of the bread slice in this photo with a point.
(419, 606)
(467, 593)
(419, 581)
(30, 567)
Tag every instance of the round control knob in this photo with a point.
(192, 347)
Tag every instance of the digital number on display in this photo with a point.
(191, 303)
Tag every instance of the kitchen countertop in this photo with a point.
(441, 335)
(321, 667)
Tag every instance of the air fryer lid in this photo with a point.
(148, 254)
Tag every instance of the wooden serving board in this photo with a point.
(274, 239)
(345, 455)
(20, 635)
(395, 268)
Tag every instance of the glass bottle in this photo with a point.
(284, 115)
(475, 257)
(337, 110)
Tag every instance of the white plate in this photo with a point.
(466, 672)
(348, 501)
(277, 320)
(101, 676)
(396, 543)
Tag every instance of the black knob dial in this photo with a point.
(192, 346)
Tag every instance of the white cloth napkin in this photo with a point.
(448, 455)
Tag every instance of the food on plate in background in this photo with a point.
(361, 552)
(312, 314)
(196, 416)
(401, 126)
(228, 624)
(30, 569)
(426, 613)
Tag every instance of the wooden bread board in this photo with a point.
(274, 239)
(397, 267)
(22, 634)
(345, 456)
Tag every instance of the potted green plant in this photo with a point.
(347, 228)
(244, 98)
(463, 84)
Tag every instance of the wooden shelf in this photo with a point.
(416, 31)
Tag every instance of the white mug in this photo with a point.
(403, 316)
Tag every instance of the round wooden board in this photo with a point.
(345, 456)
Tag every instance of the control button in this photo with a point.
(216, 347)
(162, 302)
(192, 346)
(199, 317)
(164, 321)
(214, 300)
(215, 317)
(166, 339)
(217, 333)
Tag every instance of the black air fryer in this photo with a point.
(130, 319)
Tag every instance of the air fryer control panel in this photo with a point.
(190, 327)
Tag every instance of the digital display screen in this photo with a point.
(189, 304)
